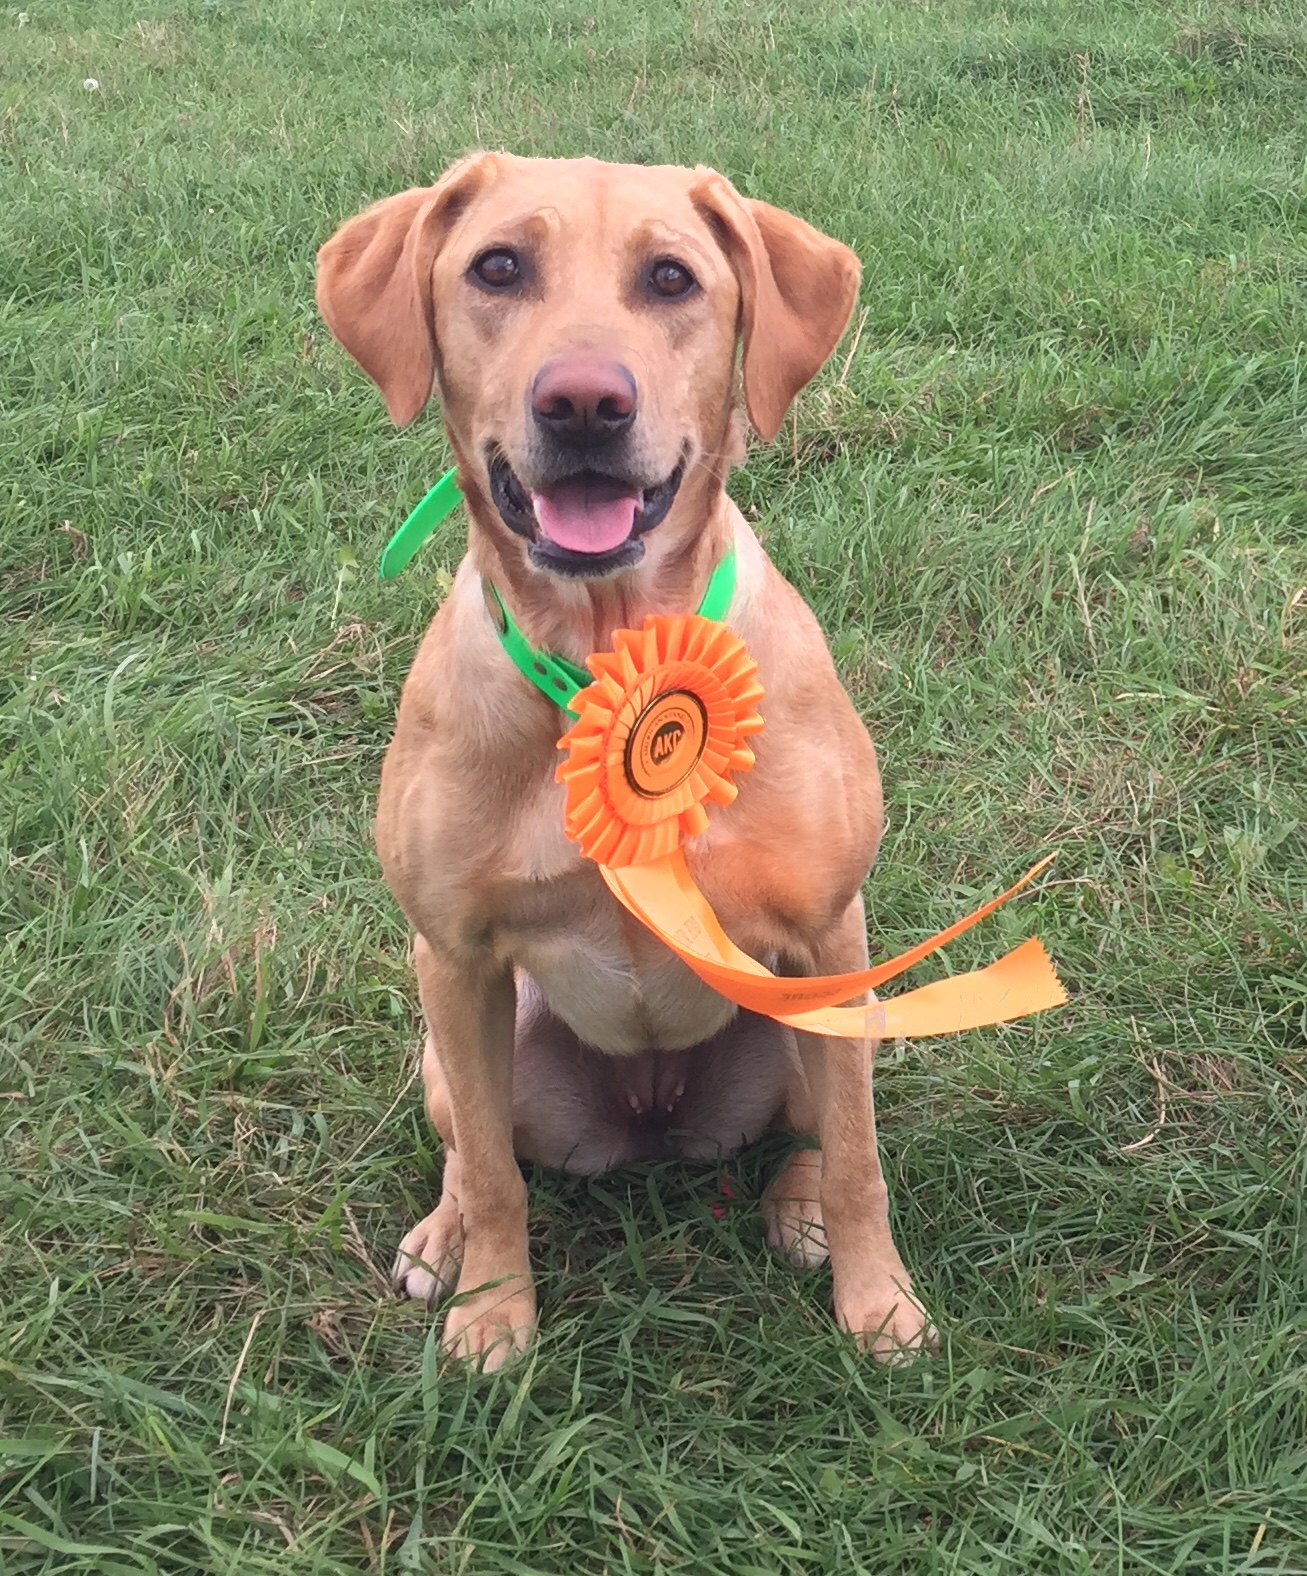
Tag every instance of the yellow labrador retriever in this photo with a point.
(582, 322)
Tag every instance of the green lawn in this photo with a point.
(1051, 506)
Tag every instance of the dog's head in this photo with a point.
(582, 320)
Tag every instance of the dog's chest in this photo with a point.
(618, 992)
(612, 982)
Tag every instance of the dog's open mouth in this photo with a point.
(585, 525)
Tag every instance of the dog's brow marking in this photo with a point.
(657, 236)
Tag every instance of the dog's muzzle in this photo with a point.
(586, 525)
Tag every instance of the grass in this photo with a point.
(1052, 510)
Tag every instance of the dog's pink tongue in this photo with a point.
(588, 515)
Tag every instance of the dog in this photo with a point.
(598, 334)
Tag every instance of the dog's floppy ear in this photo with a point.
(374, 283)
(797, 290)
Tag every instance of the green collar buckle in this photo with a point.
(554, 676)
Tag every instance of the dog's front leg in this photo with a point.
(872, 1289)
(468, 1069)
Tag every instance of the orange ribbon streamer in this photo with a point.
(663, 897)
(659, 733)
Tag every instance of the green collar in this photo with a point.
(439, 503)
(555, 677)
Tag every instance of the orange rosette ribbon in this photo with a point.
(659, 734)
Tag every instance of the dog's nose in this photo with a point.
(584, 400)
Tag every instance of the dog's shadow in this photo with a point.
(666, 1230)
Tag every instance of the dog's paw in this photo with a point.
(886, 1320)
(492, 1326)
(795, 1230)
(791, 1212)
(427, 1264)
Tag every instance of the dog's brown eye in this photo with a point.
(670, 279)
(498, 269)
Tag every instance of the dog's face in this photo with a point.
(585, 333)
(582, 320)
